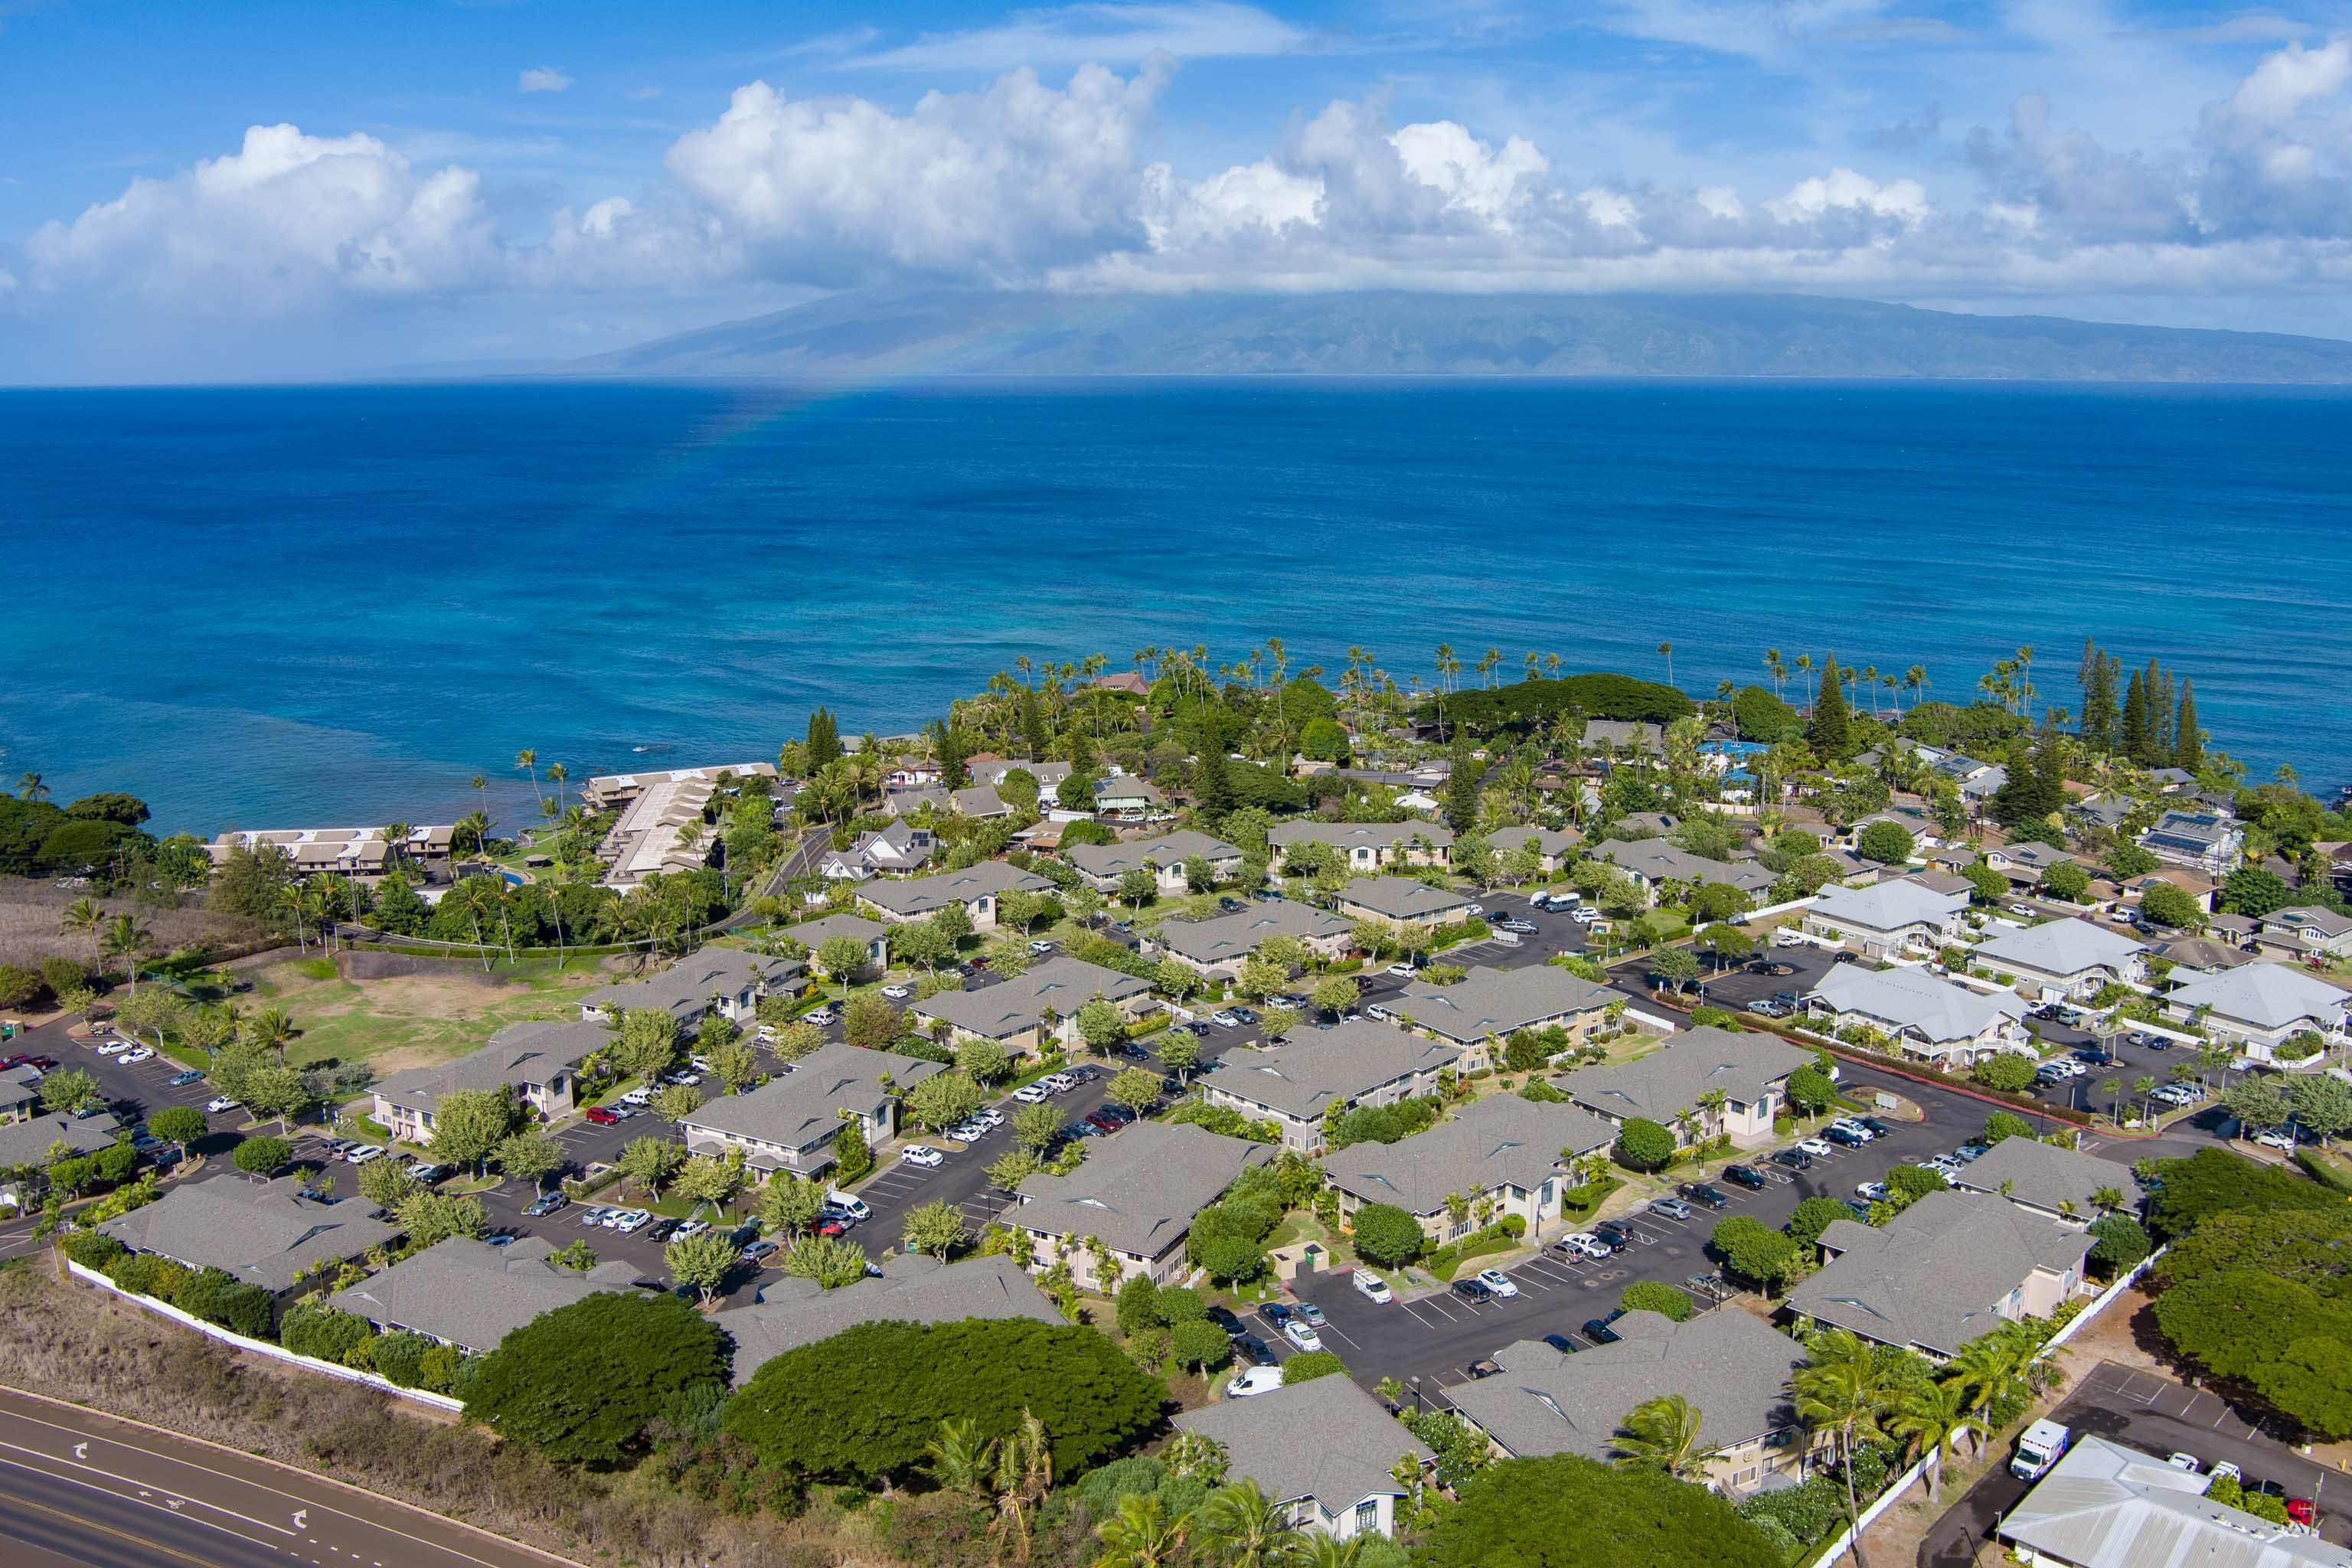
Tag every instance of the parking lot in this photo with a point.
(1435, 1337)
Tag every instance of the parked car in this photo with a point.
(1472, 1291)
(1876, 1127)
(364, 1153)
(2279, 1138)
(1561, 1343)
(1308, 1310)
(1583, 1244)
(1276, 1313)
(1498, 1282)
(1300, 1332)
(2189, 1463)
(897, 993)
(1372, 1288)
(1059, 1082)
(141, 1054)
(428, 1174)
(1671, 1209)
(1041, 947)
(823, 1017)
(1795, 1159)
(1402, 970)
(1224, 1318)
(758, 1252)
(1745, 1176)
(1032, 1094)
(1225, 1020)
(630, 1220)
(1701, 1192)
(547, 1204)
(1614, 1234)
(1847, 1137)
(662, 1229)
(1597, 1330)
(601, 1116)
(921, 1154)
(690, 1227)
(1254, 1380)
(1875, 1192)
(1481, 1368)
(177, 1081)
(1816, 1147)
(592, 1217)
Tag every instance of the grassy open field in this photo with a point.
(414, 1019)
(31, 908)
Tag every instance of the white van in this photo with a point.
(2039, 1449)
(1257, 1380)
(849, 1204)
(1372, 1288)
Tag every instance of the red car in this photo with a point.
(2300, 1511)
(831, 1227)
(601, 1117)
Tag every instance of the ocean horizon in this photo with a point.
(336, 605)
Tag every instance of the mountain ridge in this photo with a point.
(945, 333)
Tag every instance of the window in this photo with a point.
(1368, 1516)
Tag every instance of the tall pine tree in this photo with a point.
(2100, 718)
(1462, 789)
(1032, 726)
(2136, 728)
(948, 742)
(1213, 785)
(824, 739)
(2188, 740)
(1831, 732)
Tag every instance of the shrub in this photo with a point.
(2009, 1071)
(1650, 1296)
(636, 1352)
(314, 1329)
(1387, 1234)
(218, 1297)
(1308, 1365)
(1643, 1144)
(92, 1250)
(399, 1357)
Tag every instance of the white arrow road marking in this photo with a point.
(81, 1450)
(300, 1515)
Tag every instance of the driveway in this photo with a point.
(2147, 1411)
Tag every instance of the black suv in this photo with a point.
(1615, 1233)
(1745, 1176)
(1597, 1330)
(1472, 1292)
(1224, 1318)
(1701, 1192)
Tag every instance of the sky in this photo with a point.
(266, 191)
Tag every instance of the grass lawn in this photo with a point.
(413, 1020)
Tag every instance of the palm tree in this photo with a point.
(396, 844)
(1775, 669)
(30, 787)
(124, 938)
(271, 1029)
(528, 760)
(1915, 679)
(959, 1461)
(1321, 1548)
(2113, 1087)
(1024, 1474)
(1933, 1420)
(1838, 1391)
(1661, 1433)
(1805, 669)
(83, 916)
(556, 774)
(1141, 1535)
(1240, 1527)
(1666, 651)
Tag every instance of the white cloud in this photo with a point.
(1474, 176)
(284, 221)
(1097, 34)
(1844, 190)
(996, 184)
(542, 78)
(2292, 76)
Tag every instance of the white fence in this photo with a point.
(1911, 1478)
(263, 1347)
(1768, 911)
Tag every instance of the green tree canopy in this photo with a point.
(580, 1383)
(1643, 1144)
(1387, 1234)
(1567, 1512)
(865, 1404)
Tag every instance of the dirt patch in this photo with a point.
(30, 909)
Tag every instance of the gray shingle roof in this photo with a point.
(793, 1312)
(1662, 862)
(1889, 905)
(1167, 850)
(1936, 1011)
(1137, 1190)
(2061, 947)
(1933, 1275)
(1402, 898)
(928, 895)
(2046, 1176)
(28, 1141)
(1322, 1068)
(1498, 1001)
(2107, 1506)
(1733, 1367)
(1326, 1440)
(471, 1294)
(813, 934)
(1671, 1078)
(1359, 834)
(1543, 840)
(263, 1232)
(528, 1053)
(2267, 995)
(1228, 939)
(1501, 1139)
(1010, 1006)
(794, 1109)
(687, 987)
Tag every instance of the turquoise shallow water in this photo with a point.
(336, 604)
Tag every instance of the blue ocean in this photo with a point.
(337, 606)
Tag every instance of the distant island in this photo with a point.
(971, 332)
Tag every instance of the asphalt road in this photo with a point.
(2149, 1412)
(77, 1488)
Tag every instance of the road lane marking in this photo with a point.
(81, 1523)
(123, 1480)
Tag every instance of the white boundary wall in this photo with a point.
(263, 1347)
